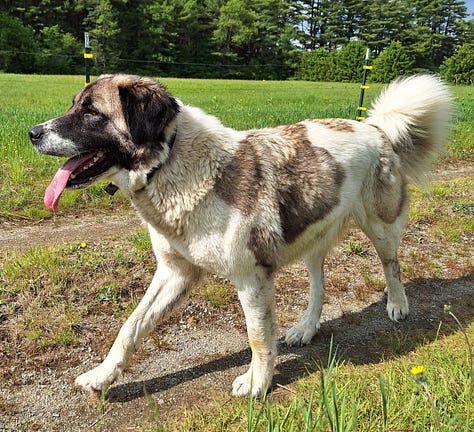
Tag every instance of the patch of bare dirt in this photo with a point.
(192, 359)
(80, 228)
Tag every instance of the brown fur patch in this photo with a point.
(390, 199)
(310, 184)
(102, 96)
(283, 170)
(264, 244)
(293, 132)
(390, 186)
(337, 124)
(241, 180)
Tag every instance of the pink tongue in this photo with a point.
(58, 184)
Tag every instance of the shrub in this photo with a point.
(391, 63)
(459, 68)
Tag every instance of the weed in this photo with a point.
(418, 373)
(385, 402)
(355, 248)
(464, 206)
(329, 409)
(470, 355)
(217, 294)
(141, 241)
(372, 282)
(109, 293)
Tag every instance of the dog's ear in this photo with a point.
(147, 108)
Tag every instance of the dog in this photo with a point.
(242, 204)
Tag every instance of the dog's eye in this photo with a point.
(92, 114)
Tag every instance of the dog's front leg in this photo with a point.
(171, 285)
(256, 294)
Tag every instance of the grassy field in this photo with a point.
(28, 100)
(45, 313)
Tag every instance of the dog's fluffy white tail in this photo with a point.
(415, 114)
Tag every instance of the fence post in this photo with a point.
(88, 56)
(361, 108)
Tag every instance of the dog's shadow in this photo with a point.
(364, 337)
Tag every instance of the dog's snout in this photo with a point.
(36, 133)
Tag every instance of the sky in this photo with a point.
(470, 6)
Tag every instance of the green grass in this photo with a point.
(27, 100)
(340, 396)
(429, 207)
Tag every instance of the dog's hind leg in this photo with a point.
(386, 239)
(308, 326)
(256, 294)
(172, 282)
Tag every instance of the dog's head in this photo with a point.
(118, 122)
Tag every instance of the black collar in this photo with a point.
(111, 188)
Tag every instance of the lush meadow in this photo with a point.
(43, 305)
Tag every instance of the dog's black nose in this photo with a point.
(36, 133)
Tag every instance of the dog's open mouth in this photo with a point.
(77, 172)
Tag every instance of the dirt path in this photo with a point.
(195, 362)
(78, 228)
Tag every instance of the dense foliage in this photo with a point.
(272, 39)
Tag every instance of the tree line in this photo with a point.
(256, 39)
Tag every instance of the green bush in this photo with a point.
(391, 63)
(459, 68)
(344, 65)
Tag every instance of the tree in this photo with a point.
(253, 34)
(103, 24)
(17, 46)
(312, 20)
(60, 52)
(391, 63)
(236, 29)
(459, 68)
(381, 21)
(436, 28)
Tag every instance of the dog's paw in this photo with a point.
(246, 383)
(301, 333)
(96, 381)
(398, 310)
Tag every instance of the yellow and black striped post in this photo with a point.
(88, 56)
(361, 108)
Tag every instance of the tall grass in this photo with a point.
(26, 100)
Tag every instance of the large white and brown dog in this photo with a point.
(242, 204)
